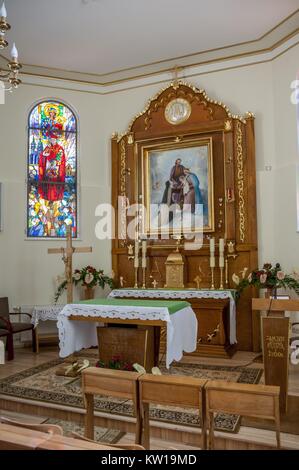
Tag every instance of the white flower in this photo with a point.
(88, 278)
(280, 275)
(243, 272)
(249, 277)
(295, 274)
(263, 278)
(236, 279)
(77, 276)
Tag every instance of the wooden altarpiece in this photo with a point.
(233, 186)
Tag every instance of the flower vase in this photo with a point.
(88, 293)
(271, 292)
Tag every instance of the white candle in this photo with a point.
(212, 245)
(212, 262)
(221, 246)
(221, 261)
(14, 52)
(3, 12)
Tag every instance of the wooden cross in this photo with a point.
(67, 257)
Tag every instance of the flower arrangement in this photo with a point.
(269, 277)
(116, 363)
(87, 277)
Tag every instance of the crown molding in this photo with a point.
(161, 78)
(268, 42)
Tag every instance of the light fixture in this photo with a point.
(10, 75)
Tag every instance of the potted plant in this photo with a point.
(88, 277)
(269, 277)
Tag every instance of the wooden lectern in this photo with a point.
(276, 328)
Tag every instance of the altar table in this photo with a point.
(77, 323)
(215, 311)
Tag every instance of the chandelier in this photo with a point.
(10, 75)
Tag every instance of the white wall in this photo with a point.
(27, 272)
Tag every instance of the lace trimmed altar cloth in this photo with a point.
(180, 320)
(45, 313)
(185, 295)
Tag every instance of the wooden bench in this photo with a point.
(171, 390)
(115, 383)
(21, 438)
(256, 401)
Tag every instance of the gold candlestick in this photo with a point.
(226, 272)
(143, 278)
(221, 278)
(212, 283)
(136, 278)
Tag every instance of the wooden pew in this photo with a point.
(171, 390)
(18, 438)
(115, 383)
(257, 401)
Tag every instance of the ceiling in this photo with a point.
(104, 36)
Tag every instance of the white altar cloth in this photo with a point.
(185, 295)
(76, 335)
(45, 313)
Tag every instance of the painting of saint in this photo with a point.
(179, 177)
(52, 161)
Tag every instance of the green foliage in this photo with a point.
(86, 277)
(116, 363)
(269, 277)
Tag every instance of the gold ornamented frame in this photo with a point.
(146, 184)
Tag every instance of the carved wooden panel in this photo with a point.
(234, 191)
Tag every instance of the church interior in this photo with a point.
(149, 225)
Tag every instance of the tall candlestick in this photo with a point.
(144, 253)
(136, 255)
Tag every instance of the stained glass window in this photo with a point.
(52, 171)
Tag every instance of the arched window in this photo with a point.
(52, 171)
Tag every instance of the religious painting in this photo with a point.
(178, 176)
(52, 171)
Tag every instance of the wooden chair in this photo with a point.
(14, 327)
(49, 428)
(115, 383)
(171, 390)
(256, 401)
(118, 446)
(9, 343)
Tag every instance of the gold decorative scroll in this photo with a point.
(240, 180)
(123, 168)
(122, 220)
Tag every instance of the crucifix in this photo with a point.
(67, 258)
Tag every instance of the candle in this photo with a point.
(136, 257)
(212, 252)
(3, 12)
(212, 245)
(14, 52)
(221, 246)
(221, 252)
(212, 262)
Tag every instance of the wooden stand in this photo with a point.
(276, 342)
(132, 345)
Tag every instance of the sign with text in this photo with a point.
(276, 355)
